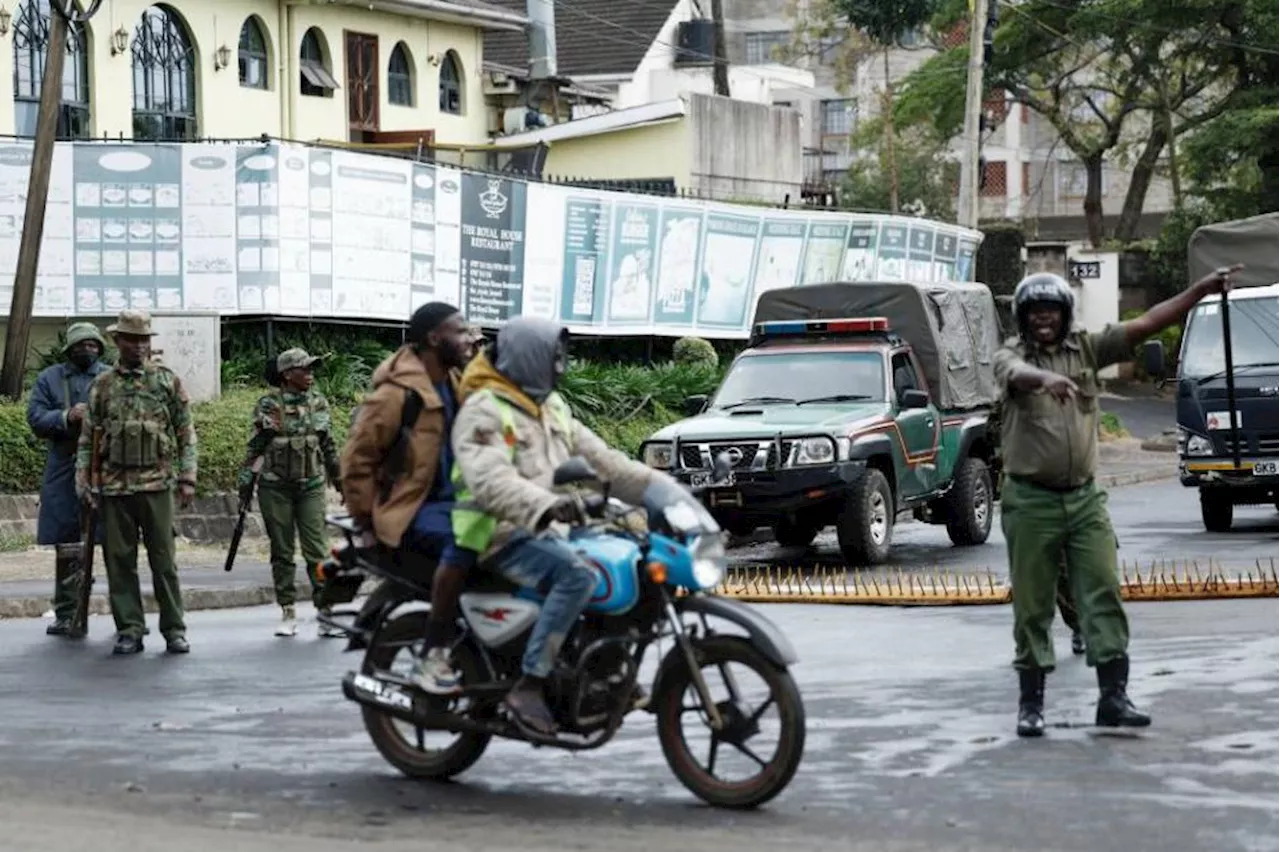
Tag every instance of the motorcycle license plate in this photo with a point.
(708, 480)
(1267, 468)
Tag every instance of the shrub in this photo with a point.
(694, 351)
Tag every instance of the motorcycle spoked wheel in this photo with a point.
(670, 708)
(399, 638)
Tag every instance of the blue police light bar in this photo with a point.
(793, 328)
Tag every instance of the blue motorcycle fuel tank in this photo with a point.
(617, 562)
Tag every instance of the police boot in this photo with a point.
(1030, 702)
(1115, 710)
(65, 567)
(1077, 643)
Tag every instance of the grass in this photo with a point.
(16, 542)
(1112, 427)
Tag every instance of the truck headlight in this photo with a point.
(816, 451)
(1194, 445)
(658, 455)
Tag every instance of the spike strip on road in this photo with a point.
(1159, 581)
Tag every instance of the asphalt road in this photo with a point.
(1156, 523)
(1143, 416)
(910, 747)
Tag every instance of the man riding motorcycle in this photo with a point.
(510, 434)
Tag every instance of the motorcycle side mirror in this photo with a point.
(573, 471)
(1153, 360)
(695, 405)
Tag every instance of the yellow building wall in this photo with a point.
(227, 110)
(655, 151)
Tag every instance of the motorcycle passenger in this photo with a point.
(512, 431)
(406, 498)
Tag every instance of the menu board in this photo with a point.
(284, 229)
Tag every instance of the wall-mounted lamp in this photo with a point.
(433, 60)
(221, 57)
(5, 17)
(119, 41)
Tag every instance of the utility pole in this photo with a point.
(18, 334)
(720, 70)
(967, 206)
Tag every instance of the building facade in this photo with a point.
(231, 69)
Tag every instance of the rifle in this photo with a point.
(88, 538)
(246, 498)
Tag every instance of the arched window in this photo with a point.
(450, 85)
(30, 44)
(316, 80)
(253, 55)
(400, 77)
(164, 77)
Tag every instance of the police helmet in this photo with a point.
(1044, 288)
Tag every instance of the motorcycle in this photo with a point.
(654, 585)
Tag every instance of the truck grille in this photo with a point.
(747, 455)
(1264, 442)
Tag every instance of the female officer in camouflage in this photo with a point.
(292, 436)
(1051, 506)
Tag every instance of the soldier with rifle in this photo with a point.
(148, 449)
(292, 444)
(56, 413)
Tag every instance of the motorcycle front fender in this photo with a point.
(762, 632)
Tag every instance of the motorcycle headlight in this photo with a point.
(816, 451)
(658, 455)
(709, 560)
(1195, 445)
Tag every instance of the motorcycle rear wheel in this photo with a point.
(415, 761)
(713, 653)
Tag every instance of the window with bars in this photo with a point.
(761, 47)
(316, 81)
(253, 55)
(30, 44)
(400, 77)
(362, 81)
(164, 77)
(451, 85)
(839, 117)
(995, 179)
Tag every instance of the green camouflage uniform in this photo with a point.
(148, 446)
(1051, 507)
(293, 437)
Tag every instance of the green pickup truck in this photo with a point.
(851, 405)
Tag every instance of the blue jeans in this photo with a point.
(536, 562)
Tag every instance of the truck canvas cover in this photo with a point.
(1251, 241)
(952, 327)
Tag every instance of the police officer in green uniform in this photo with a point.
(293, 436)
(148, 446)
(1051, 507)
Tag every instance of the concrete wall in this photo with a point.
(745, 150)
(654, 151)
(225, 109)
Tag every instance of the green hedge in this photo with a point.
(624, 404)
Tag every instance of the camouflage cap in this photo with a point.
(78, 332)
(136, 323)
(292, 359)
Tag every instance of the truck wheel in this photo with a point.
(1216, 510)
(969, 503)
(790, 532)
(865, 527)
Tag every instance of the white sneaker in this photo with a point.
(327, 631)
(288, 622)
(434, 673)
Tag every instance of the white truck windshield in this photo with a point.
(1254, 336)
(799, 377)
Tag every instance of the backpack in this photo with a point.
(394, 461)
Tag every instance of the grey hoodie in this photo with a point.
(528, 348)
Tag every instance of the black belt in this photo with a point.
(1056, 489)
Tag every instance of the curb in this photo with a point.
(1136, 477)
(193, 600)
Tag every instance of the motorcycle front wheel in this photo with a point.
(401, 744)
(743, 718)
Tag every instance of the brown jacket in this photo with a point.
(371, 439)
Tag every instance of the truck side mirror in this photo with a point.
(694, 405)
(1153, 359)
(913, 398)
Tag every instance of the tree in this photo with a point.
(926, 173)
(1101, 75)
(885, 24)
